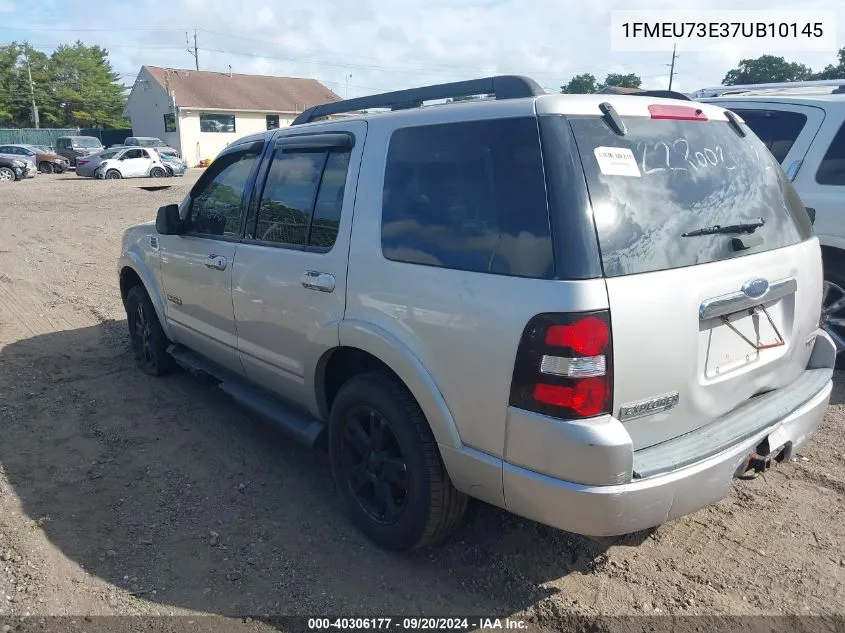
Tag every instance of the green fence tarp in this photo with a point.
(33, 136)
(48, 136)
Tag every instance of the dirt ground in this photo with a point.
(124, 494)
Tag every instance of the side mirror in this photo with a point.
(167, 220)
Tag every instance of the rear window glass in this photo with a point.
(776, 128)
(832, 168)
(665, 178)
(468, 196)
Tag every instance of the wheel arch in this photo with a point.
(134, 272)
(365, 347)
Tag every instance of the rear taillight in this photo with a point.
(564, 366)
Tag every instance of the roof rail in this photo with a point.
(837, 84)
(501, 87)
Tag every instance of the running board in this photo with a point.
(300, 426)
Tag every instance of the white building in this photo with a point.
(199, 112)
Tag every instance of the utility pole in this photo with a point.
(35, 120)
(195, 50)
(672, 65)
(346, 96)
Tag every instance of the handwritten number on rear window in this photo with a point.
(657, 157)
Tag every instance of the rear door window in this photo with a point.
(665, 178)
(832, 168)
(778, 129)
(468, 196)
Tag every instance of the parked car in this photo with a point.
(132, 162)
(47, 162)
(594, 311)
(87, 166)
(15, 169)
(151, 141)
(73, 147)
(803, 125)
(174, 165)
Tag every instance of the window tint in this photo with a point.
(217, 122)
(272, 121)
(134, 153)
(329, 201)
(288, 196)
(217, 197)
(777, 129)
(468, 196)
(832, 168)
(667, 178)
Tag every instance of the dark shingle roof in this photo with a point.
(202, 89)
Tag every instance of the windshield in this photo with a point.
(150, 142)
(85, 141)
(665, 178)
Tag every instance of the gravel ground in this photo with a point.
(123, 494)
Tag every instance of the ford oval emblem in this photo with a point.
(755, 288)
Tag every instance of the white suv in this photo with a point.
(803, 125)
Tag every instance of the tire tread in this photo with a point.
(448, 505)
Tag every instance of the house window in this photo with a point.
(272, 121)
(217, 122)
(169, 122)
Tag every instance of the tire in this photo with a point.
(7, 174)
(834, 282)
(417, 506)
(113, 174)
(149, 344)
(46, 168)
(157, 172)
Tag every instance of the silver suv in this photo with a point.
(593, 311)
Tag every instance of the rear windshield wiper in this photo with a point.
(743, 227)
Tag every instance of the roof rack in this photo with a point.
(501, 87)
(838, 86)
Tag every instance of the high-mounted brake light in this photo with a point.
(564, 366)
(676, 112)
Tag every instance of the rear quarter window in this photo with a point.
(468, 196)
(778, 129)
(832, 168)
(680, 176)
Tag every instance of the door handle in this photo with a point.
(217, 262)
(314, 280)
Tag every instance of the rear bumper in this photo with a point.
(625, 508)
(580, 476)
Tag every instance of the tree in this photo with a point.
(580, 84)
(833, 72)
(74, 87)
(623, 81)
(86, 88)
(766, 69)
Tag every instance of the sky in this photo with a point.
(359, 47)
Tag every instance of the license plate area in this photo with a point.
(739, 340)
